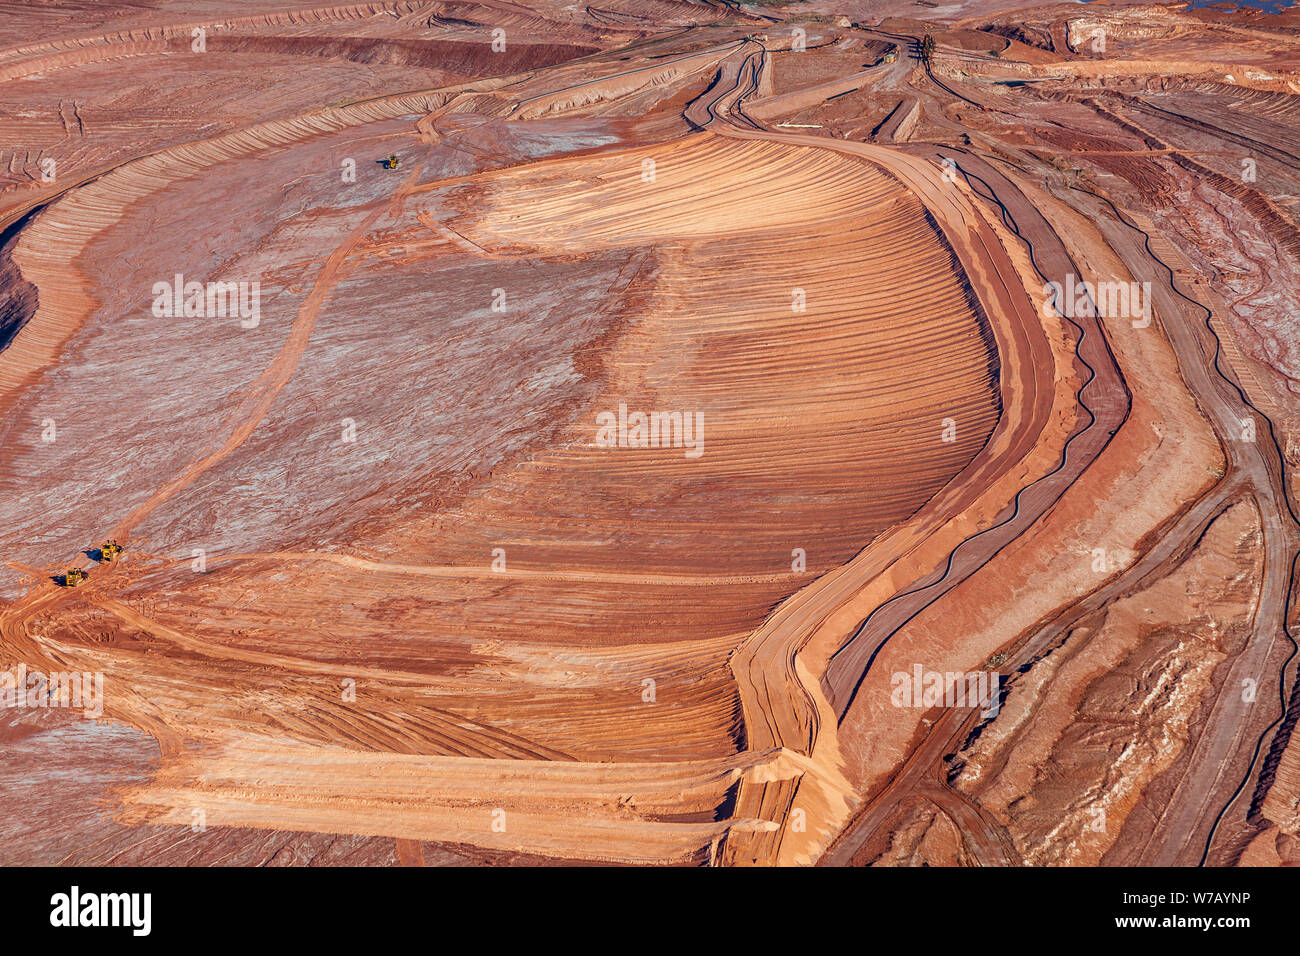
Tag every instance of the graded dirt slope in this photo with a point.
(582, 488)
(767, 319)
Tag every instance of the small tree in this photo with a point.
(927, 49)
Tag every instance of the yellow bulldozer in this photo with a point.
(110, 550)
(72, 577)
(392, 162)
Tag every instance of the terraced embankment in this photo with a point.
(747, 286)
(581, 488)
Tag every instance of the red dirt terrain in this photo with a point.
(642, 468)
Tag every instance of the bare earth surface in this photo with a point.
(637, 471)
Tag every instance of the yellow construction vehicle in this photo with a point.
(72, 577)
(109, 550)
(392, 162)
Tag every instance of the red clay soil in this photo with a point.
(581, 489)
